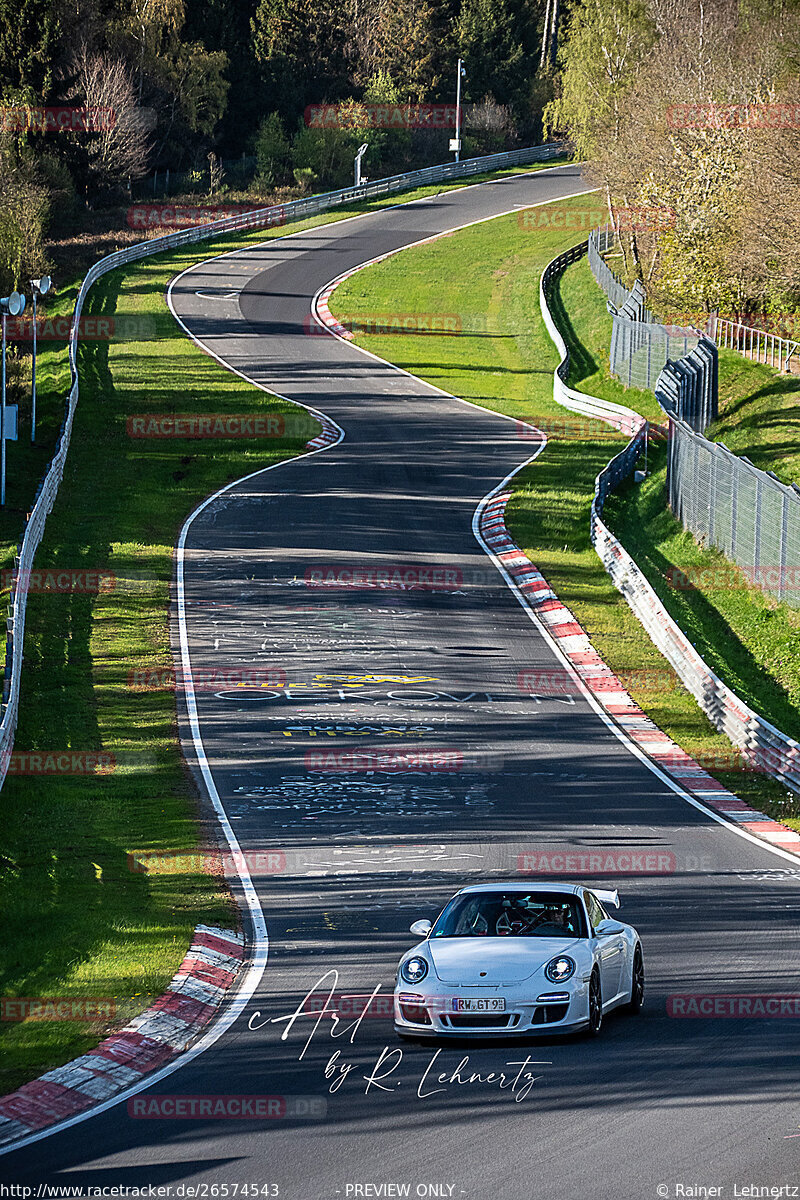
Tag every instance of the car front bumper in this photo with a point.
(432, 1014)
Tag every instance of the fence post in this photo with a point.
(734, 508)
(784, 542)
(629, 350)
(757, 533)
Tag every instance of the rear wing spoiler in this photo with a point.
(611, 898)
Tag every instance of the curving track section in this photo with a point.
(344, 853)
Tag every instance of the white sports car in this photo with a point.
(505, 958)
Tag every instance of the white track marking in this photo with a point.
(630, 745)
(255, 969)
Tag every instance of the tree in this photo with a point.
(491, 125)
(30, 33)
(606, 42)
(272, 151)
(119, 151)
(498, 41)
(180, 79)
(328, 150)
(150, 23)
(407, 48)
(23, 217)
(301, 47)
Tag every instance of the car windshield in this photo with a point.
(511, 914)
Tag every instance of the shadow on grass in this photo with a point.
(643, 522)
(582, 363)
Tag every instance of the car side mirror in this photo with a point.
(421, 928)
(608, 926)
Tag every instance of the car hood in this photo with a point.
(503, 959)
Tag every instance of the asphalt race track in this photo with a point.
(344, 859)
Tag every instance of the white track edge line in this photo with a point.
(630, 745)
(446, 191)
(237, 1004)
(619, 733)
(246, 984)
(334, 283)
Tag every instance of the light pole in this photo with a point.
(359, 155)
(39, 287)
(456, 142)
(9, 305)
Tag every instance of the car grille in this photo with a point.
(481, 1020)
(549, 1013)
(416, 1013)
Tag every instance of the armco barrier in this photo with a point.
(257, 219)
(618, 415)
(766, 746)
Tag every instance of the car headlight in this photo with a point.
(559, 969)
(414, 969)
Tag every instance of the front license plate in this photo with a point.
(493, 1004)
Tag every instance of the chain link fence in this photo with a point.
(641, 349)
(748, 514)
(640, 345)
(601, 241)
(762, 744)
(689, 388)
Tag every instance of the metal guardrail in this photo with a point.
(257, 219)
(618, 415)
(761, 743)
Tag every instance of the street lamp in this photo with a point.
(455, 143)
(359, 155)
(39, 287)
(12, 305)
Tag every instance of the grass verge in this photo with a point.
(503, 359)
(78, 922)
